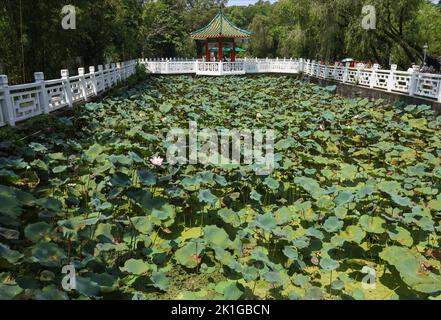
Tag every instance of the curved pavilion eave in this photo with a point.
(220, 28)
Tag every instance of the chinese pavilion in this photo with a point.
(224, 32)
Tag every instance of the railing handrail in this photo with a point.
(22, 101)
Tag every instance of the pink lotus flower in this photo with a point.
(157, 161)
(315, 261)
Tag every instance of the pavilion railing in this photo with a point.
(24, 101)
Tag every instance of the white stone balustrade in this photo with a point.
(412, 83)
(20, 102)
(24, 101)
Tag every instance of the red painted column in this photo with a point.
(220, 49)
(233, 54)
(207, 51)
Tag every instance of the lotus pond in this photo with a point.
(351, 211)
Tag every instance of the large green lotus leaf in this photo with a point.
(329, 264)
(401, 201)
(57, 156)
(344, 198)
(408, 265)
(358, 294)
(50, 293)
(301, 242)
(230, 217)
(425, 223)
(401, 235)
(389, 187)
(314, 293)
(254, 195)
(418, 123)
(50, 203)
(9, 291)
(216, 237)
(274, 278)
(290, 253)
(13, 200)
(164, 213)
(10, 255)
(325, 203)
(103, 232)
(261, 254)
(38, 231)
(142, 197)
(121, 160)
(353, 234)
(341, 212)
(250, 273)
(94, 151)
(365, 191)
(39, 165)
(147, 178)
(106, 281)
(337, 285)
(435, 204)
(338, 241)
(418, 170)
(142, 225)
(135, 157)
(121, 180)
(348, 172)
(271, 183)
(38, 147)
(189, 254)
(300, 280)
(137, 267)
(192, 233)
(313, 232)
(87, 287)
(222, 181)
(160, 280)
(205, 196)
(166, 107)
(229, 290)
(48, 254)
(9, 234)
(59, 169)
(372, 224)
(311, 186)
(333, 224)
(9, 176)
(283, 215)
(191, 183)
(266, 221)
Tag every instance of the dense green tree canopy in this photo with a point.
(113, 30)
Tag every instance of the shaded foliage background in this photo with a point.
(115, 30)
